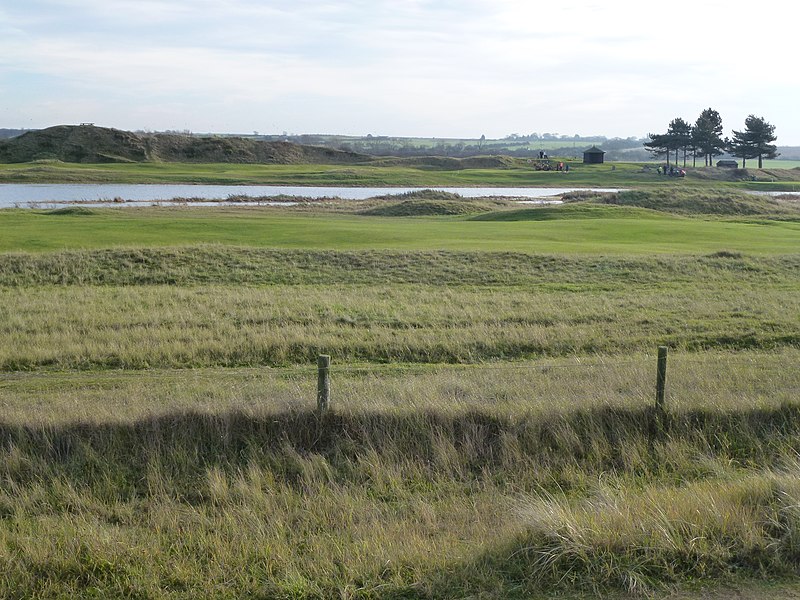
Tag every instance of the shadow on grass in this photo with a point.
(186, 445)
(550, 453)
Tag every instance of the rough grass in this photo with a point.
(427, 203)
(430, 207)
(421, 484)
(214, 306)
(695, 202)
(533, 466)
(210, 264)
(634, 541)
(568, 211)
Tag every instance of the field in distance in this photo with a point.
(500, 171)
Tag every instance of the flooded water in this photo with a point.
(61, 195)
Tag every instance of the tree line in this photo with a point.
(704, 139)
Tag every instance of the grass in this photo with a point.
(518, 173)
(434, 483)
(780, 164)
(492, 432)
(612, 232)
(207, 307)
(325, 175)
(697, 202)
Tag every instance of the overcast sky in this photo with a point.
(433, 68)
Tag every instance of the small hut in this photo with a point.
(728, 163)
(593, 156)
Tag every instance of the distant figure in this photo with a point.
(659, 169)
(566, 168)
(613, 167)
(541, 153)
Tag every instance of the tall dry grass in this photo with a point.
(137, 327)
(510, 480)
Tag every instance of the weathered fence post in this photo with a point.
(661, 378)
(323, 382)
(659, 421)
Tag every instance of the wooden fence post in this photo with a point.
(323, 382)
(661, 379)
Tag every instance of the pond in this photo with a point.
(60, 195)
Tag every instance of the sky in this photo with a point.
(429, 68)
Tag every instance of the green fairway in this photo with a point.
(279, 228)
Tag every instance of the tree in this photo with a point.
(659, 145)
(741, 147)
(680, 133)
(754, 141)
(707, 135)
(678, 137)
(761, 134)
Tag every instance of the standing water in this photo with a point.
(56, 195)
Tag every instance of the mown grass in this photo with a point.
(611, 233)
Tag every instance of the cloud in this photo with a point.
(439, 67)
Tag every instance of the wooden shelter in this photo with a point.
(593, 156)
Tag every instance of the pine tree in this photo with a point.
(678, 137)
(754, 141)
(680, 133)
(659, 145)
(707, 135)
(761, 135)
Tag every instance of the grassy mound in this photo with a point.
(90, 144)
(425, 203)
(419, 208)
(426, 194)
(695, 202)
(574, 211)
(71, 211)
